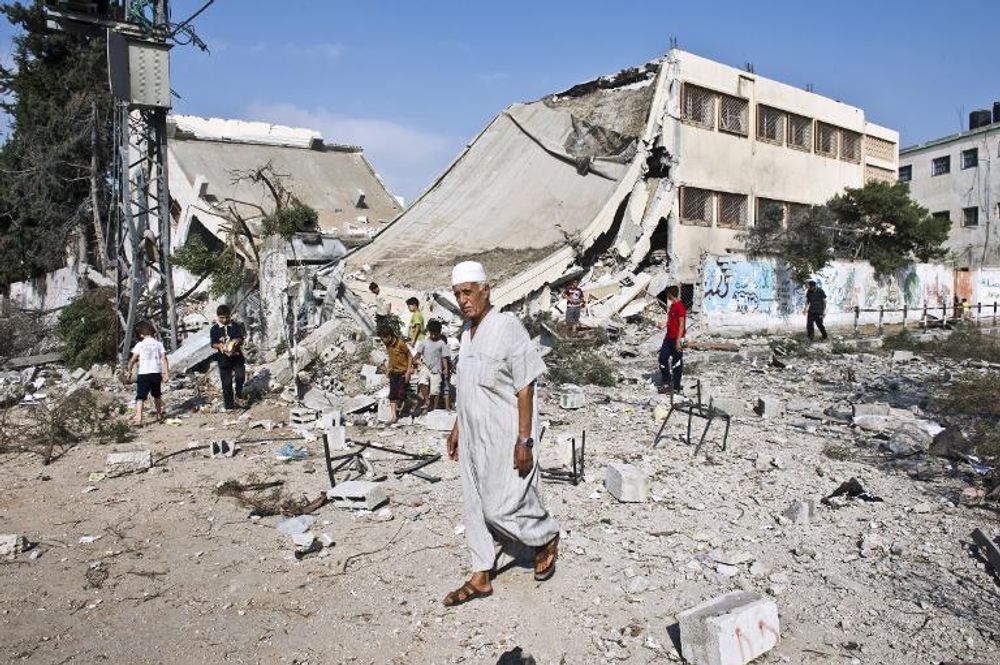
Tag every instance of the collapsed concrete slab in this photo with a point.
(195, 349)
(732, 629)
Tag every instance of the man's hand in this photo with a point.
(523, 459)
(453, 445)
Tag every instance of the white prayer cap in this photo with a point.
(468, 271)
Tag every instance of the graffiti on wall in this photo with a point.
(733, 284)
(987, 286)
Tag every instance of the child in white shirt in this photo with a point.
(151, 358)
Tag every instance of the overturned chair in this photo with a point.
(696, 409)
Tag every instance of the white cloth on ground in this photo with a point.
(492, 367)
(150, 351)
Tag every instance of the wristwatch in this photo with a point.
(527, 442)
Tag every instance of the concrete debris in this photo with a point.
(34, 361)
(195, 349)
(902, 356)
(732, 629)
(222, 448)
(357, 495)
(800, 512)
(571, 397)
(733, 406)
(384, 411)
(770, 407)
(439, 420)
(989, 549)
(950, 443)
(12, 544)
(302, 415)
(626, 483)
(129, 462)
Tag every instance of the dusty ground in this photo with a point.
(180, 575)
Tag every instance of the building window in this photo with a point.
(734, 115)
(941, 165)
(970, 216)
(943, 214)
(880, 149)
(770, 209)
(796, 210)
(970, 158)
(906, 173)
(800, 132)
(732, 211)
(697, 206)
(850, 146)
(698, 106)
(826, 139)
(770, 125)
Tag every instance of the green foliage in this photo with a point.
(19, 332)
(55, 94)
(580, 366)
(878, 223)
(87, 327)
(962, 344)
(288, 220)
(389, 324)
(225, 269)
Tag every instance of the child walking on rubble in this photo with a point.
(151, 358)
(399, 367)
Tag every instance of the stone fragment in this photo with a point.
(303, 539)
(732, 629)
(557, 451)
(302, 415)
(572, 397)
(357, 494)
(384, 411)
(626, 483)
(730, 405)
(800, 512)
(902, 356)
(770, 407)
(439, 420)
(873, 409)
(222, 448)
(12, 544)
(950, 443)
(131, 462)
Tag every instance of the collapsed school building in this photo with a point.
(642, 179)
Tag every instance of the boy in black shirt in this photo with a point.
(815, 309)
(227, 338)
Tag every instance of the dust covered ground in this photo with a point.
(178, 574)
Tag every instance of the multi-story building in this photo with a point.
(958, 178)
(660, 165)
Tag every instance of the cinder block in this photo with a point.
(439, 420)
(222, 448)
(875, 409)
(770, 407)
(119, 463)
(732, 629)
(302, 415)
(357, 494)
(557, 451)
(573, 399)
(730, 405)
(626, 483)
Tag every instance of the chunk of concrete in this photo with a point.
(12, 544)
(626, 483)
(770, 407)
(302, 415)
(557, 451)
(194, 350)
(572, 397)
(384, 411)
(732, 406)
(130, 462)
(800, 512)
(732, 629)
(357, 494)
(439, 420)
(902, 356)
(874, 409)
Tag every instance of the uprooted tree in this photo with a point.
(878, 223)
(246, 225)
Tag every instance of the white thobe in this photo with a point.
(492, 367)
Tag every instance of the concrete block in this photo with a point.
(439, 420)
(222, 448)
(195, 349)
(384, 412)
(732, 629)
(873, 409)
(902, 356)
(132, 462)
(571, 396)
(770, 407)
(734, 406)
(12, 544)
(800, 512)
(302, 415)
(357, 494)
(626, 483)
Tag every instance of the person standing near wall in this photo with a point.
(671, 356)
(815, 309)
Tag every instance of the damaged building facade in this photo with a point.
(632, 182)
(954, 177)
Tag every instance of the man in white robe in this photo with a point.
(493, 437)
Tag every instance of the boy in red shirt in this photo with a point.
(671, 353)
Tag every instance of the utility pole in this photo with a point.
(138, 35)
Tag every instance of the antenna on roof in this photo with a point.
(673, 42)
(809, 87)
(748, 66)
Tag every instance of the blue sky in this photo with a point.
(412, 82)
